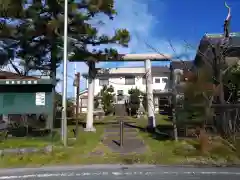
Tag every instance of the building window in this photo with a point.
(130, 80)
(165, 80)
(103, 82)
(120, 92)
(157, 80)
(84, 102)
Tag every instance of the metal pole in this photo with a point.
(121, 133)
(64, 96)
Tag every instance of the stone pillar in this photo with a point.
(90, 105)
(149, 90)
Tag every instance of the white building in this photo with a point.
(125, 78)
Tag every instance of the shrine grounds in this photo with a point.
(102, 147)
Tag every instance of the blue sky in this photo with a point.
(159, 21)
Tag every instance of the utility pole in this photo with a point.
(64, 91)
(75, 88)
(77, 85)
(176, 74)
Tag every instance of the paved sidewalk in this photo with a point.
(132, 143)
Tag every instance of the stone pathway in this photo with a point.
(131, 142)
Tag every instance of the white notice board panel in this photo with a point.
(40, 99)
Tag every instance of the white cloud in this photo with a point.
(136, 17)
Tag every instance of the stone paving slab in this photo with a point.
(117, 125)
(127, 134)
(113, 129)
(131, 145)
(117, 137)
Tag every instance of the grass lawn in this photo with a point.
(53, 138)
(183, 151)
(74, 154)
(77, 152)
(24, 142)
(88, 149)
(29, 141)
(160, 120)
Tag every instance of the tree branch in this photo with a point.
(15, 67)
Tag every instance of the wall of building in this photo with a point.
(118, 80)
(159, 83)
(119, 84)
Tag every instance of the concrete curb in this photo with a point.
(106, 167)
(77, 167)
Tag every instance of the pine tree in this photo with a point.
(35, 30)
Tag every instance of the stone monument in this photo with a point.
(141, 110)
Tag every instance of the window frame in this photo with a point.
(103, 80)
(163, 80)
(120, 91)
(157, 79)
(130, 78)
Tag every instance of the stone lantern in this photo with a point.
(100, 106)
(141, 110)
(99, 112)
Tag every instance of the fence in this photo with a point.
(222, 119)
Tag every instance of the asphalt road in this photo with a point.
(112, 172)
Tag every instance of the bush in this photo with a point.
(107, 99)
(134, 101)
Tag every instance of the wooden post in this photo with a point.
(121, 132)
(77, 84)
(176, 74)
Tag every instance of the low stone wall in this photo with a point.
(46, 149)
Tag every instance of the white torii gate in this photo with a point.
(147, 58)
